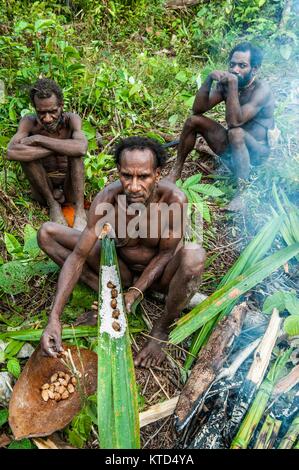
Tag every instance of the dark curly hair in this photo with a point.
(45, 88)
(141, 143)
(256, 55)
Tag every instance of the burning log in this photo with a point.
(268, 433)
(210, 435)
(208, 365)
(256, 373)
(291, 435)
(259, 404)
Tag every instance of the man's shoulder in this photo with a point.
(29, 119)
(170, 192)
(264, 87)
(71, 119)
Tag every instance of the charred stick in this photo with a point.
(208, 364)
(268, 434)
(255, 374)
(210, 435)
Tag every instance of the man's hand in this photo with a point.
(228, 77)
(51, 339)
(33, 140)
(130, 298)
(217, 75)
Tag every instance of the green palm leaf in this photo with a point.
(118, 420)
(229, 293)
(192, 180)
(200, 205)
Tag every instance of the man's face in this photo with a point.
(239, 65)
(138, 175)
(49, 112)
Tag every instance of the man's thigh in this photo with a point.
(162, 284)
(214, 134)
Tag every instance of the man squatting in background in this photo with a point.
(249, 107)
(50, 145)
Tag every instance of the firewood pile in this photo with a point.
(241, 397)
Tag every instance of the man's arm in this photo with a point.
(69, 276)
(24, 153)
(237, 115)
(74, 147)
(206, 98)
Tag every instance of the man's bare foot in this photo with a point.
(236, 205)
(152, 353)
(80, 220)
(56, 214)
(87, 318)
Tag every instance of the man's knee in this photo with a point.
(236, 135)
(193, 258)
(45, 234)
(195, 122)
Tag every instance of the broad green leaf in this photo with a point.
(30, 241)
(201, 205)
(194, 179)
(76, 69)
(22, 444)
(13, 366)
(11, 243)
(42, 25)
(75, 439)
(21, 26)
(207, 189)
(292, 303)
(154, 135)
(181, 77)
(14, 277)
(291, 325)
(3, 416)
(276, 300)
(88, 130)
(13, 348)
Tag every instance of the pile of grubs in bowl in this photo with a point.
(60, 387)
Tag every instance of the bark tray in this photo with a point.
(29, 414)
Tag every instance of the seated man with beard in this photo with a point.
(150, 250)
(249, 107)
(50, 145)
